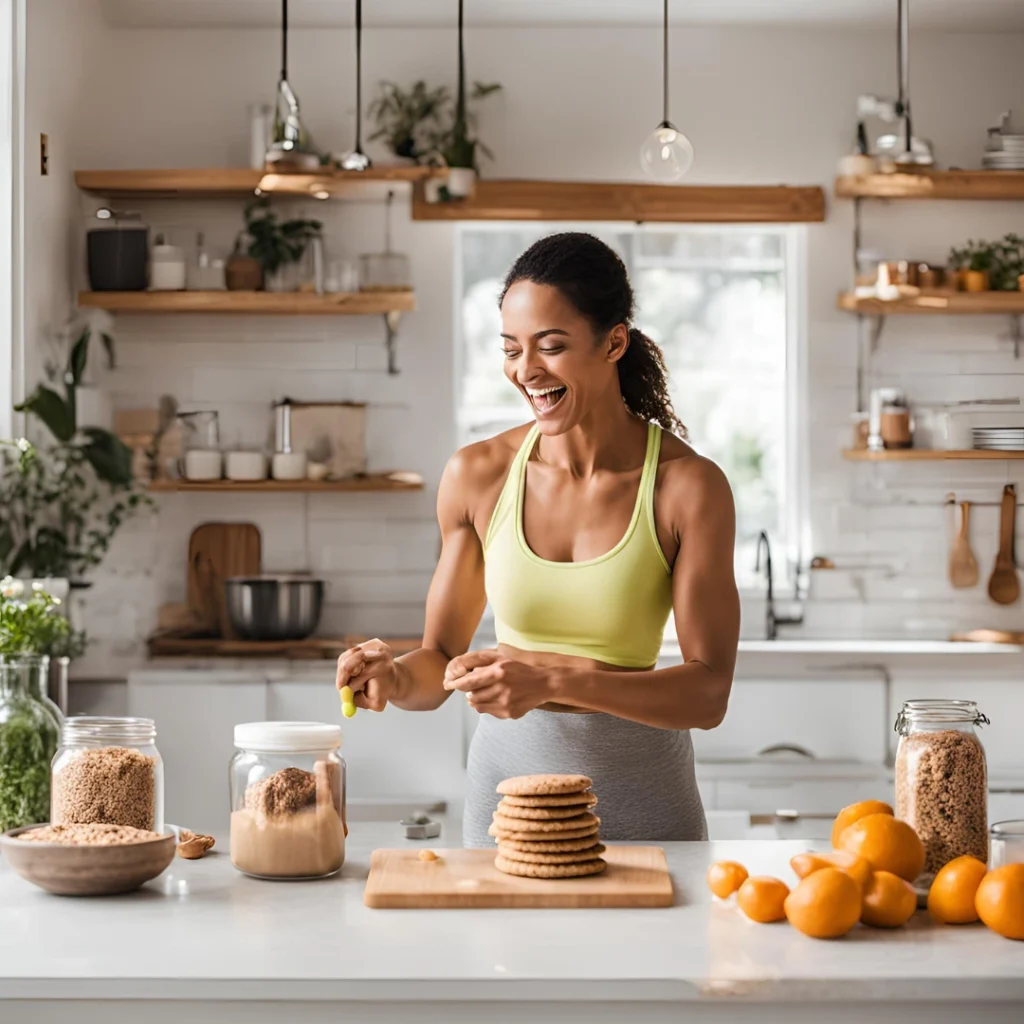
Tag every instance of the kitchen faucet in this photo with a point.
(772, 621)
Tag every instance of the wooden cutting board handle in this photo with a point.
(1003, 585)
(963, 566)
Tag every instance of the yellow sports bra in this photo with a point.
(611, 609)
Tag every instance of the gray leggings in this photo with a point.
(643, 777)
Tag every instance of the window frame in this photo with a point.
(794, 556)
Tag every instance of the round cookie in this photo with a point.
(507, 851)
(561, 845)
(527, 837)
(543, 785)
(581, 800)
(584, 820)
(516, 867)
(540, 813)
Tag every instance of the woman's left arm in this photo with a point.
(706, 607)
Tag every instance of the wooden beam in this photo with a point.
(928, 455)
(608, 201)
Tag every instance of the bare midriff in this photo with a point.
(544, 659)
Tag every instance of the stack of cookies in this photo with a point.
(545, 827)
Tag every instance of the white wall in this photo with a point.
(760, 106)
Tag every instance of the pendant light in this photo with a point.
(357, 160)
(290, 149)
(667, 154)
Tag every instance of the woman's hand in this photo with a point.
(496, 685)
(369, 669)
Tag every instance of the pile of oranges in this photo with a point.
(866, 877)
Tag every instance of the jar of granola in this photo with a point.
(288, 800)
(108, 771)
(942, 780)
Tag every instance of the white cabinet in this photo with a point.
(195, 715)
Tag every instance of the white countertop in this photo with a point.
(202, 931)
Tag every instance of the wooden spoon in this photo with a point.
(1003, 584)
(963, 566)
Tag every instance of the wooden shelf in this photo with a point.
(941, 303)
(1005, 185)
(927, 455)
(604, 201)
(230, 182)
(377, 482)
(267, 303)
(314, 648)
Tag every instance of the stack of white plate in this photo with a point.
(1009, 158)
(999, 439)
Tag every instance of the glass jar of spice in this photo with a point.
(942, 780)
(108, 771)
(288, 800)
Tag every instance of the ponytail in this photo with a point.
(593, 278)
(643, 381)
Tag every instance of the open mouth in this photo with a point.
(544, 400)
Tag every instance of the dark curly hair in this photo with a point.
(593, 278)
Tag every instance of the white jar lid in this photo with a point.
(286, 736)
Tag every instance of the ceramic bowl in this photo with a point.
(87, 870)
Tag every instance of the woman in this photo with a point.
(583, 530)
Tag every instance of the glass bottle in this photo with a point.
(28, 740)
(942, 780)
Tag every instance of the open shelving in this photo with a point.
(244, 302)
(936, 303)
(984, 185)
(927, 455)
(377, 482)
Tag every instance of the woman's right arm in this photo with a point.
(455, 604)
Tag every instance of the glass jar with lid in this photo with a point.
(108, 771)
(942, 780)
(288, 800)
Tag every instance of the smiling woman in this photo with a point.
(584, 530)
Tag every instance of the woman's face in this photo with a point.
(553, 357)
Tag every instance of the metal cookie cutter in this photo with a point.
(421, 826)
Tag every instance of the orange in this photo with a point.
(762, 899)
(848, 815)
(886, 843)
(888, 901)
(804, 864)
(1000, 900)
(725, 877)
(951, 897)
(825, 905)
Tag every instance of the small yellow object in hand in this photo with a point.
(348, 706)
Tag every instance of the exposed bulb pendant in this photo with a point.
(667, 153)
(290, 148)
(357, 160)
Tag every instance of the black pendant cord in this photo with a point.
(284, 40)
(359, 76)
(903, 67)
(664, 64)
(460, 112)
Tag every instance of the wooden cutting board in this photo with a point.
(637, 876)
(216, 552)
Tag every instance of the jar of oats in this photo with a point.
(108, 771)
(942, 780)
(288, 800)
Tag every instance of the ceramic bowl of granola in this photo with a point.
(87, 860)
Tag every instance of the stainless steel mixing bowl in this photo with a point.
(274, 607)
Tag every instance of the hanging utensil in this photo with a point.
(385, 271)
(1004, 585)
(963, 566)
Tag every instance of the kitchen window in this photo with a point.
(724, 303)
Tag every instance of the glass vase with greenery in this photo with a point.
(273, 243)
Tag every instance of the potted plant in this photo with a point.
(275, 245)
(974, 264)
(406, 119)
(1009, 263)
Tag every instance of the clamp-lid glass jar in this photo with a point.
(108, 771)
(288, 800)
(942, 780)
